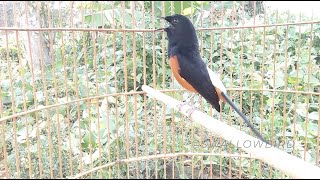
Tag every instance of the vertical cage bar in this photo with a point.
(231, 82)
(285, 81)
(262, 82)
(241, 75)
(308, 90)
(12, 97)
(116, 87)
(97, 88)
(87, 80)
(69, 127)
(173, 112)
(191, 4)
(77, 98)
(80, 167)
(66, 86)
(274, 75)
(124, 38)
(318, 139)
(211, 66)
(33, 78)
(97, 101)
(23, 92)
(164, 87)
(134, 51)
(67, 95)
(251, 79)
(4, 142)
(154, 85)
(91, 102)
(5, 159)
(55, 91)
(88, 102)
(107, 104)
(221, 69)
(285, 88)
(41, 62)
(182, 124)
(145, 96)
(274, 83)
(201, 102)
(296, 86)
(58, 121)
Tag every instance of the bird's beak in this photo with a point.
(165, 18)
(161, 29)
(161, 17)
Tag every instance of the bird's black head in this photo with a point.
(181, 31)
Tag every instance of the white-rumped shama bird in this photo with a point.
(190, 70)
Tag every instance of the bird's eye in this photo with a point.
(175, 20)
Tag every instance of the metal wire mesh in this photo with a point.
(72, 104)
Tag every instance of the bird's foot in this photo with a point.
(187, 101)
(190, 111)
(179, 106)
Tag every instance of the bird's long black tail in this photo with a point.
(243, 117)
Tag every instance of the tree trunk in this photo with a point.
(36, 46)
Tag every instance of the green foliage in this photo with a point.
(84, 118)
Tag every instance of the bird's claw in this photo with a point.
(190, 111)
(179, 106)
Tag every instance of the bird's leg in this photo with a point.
(179, 106)
(190, 111)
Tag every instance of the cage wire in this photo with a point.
(72, 104)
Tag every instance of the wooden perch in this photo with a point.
(288, 164)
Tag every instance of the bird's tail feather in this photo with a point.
(243, 117)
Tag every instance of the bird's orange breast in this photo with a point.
(174, 65)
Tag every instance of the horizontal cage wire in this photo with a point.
(72, 104)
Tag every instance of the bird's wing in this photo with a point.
(197, 75)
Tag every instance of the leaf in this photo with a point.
(33, 148)
(40, 96)
(301, 109)
(188, 11)
(312, 129)
(300, 130)
(138, 78)
(59, 65)
(313, 79)
(224, 5)
(292, 80)
(104, 126)
(111, 99)
(176, 119)
(95, 20)
(177, 6)
(314, 116)
(82, 90)
(287, 134)
(279, 82)
(22, 134)
(308, 157)
(276, 101)
(88, 139)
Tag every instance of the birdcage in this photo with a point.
(87, 91)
